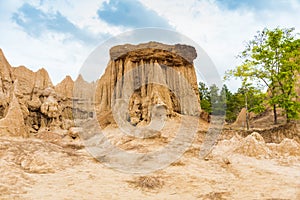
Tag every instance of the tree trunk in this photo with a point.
(288, 120)
(247, 114)
(275, 114)
(247, 120)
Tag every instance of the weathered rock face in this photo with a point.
(155, 51)
(83, 98)
(147, 75)
(5, 74)
(34, 89)
(5, 84)
(31, 82)
(13, 123)
(29, 103)
(65, 88)
(64, 91)
(84, 89)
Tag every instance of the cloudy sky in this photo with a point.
(60, 34)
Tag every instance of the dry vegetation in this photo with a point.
(147, 183)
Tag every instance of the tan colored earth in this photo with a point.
(238, 168)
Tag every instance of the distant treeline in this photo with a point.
(222, 101)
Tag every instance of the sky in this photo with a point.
(59, 35)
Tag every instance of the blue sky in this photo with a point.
(253, 4)
(131, 14)
(34, 22)
(124, 13)
(60, 34)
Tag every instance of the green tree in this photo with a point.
(223, 102)
(218, 100)
(236, 101)
(212, 101)
(271, 60)
(205, 100)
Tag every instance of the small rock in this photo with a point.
(226, 161)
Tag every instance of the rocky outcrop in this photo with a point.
(29, 103)
(13, 122)
(155, 51)
(5, 84)
(151, 79)
(64, 91)
(31, 82)
(148, 75)
(34, 89)
(5, 74)
(83, 98)
(65, 87)
(261, 120)
(241, 119)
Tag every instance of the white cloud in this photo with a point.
(52, 51)
(49, 51)
(221, 32)
(81, 13)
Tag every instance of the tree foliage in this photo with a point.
(212, 101)
(224, 102)
(271, 60)
(205, 97)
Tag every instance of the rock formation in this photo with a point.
(5, 84)
(13, 123)
(241, 119)
(29, 103)
(151, 79)
(64, 91)
(83, 98)
(65, 87)
(142, 76)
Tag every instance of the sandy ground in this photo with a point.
(244, 179)
(239, 168)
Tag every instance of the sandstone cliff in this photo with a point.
(65, 87)
(147, 75)
(29, 103)
(5, 74)
(5, 84)
(13, 124)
